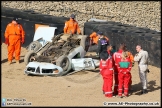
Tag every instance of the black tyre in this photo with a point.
(29, 57)
(88, 31)
(6, 11)
(34, 46)
(28, 11)
(55, 20)
(85, 42)
(10, 12)
(34, 16)
(64, 63)
(66, 72)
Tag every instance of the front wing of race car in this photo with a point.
(49, 69)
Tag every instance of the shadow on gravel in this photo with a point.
(151, 87)
(5, 60)
(22, 60)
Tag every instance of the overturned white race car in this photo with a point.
(43, 68)
(59, 54)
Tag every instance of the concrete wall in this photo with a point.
(138, 13)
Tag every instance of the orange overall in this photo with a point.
(14, 36)
(95, 38)
(71, 26)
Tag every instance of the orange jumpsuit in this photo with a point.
(15, 35)
(71, 26)
(95, 38)
(131, 56)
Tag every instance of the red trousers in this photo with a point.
(107, 82)
(124, 81)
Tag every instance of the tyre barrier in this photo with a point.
(32, 15)
(28, 19)
(150, 40)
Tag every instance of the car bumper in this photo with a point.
(42, 68)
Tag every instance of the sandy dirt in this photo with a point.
(79, 89)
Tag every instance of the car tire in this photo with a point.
(28, 56)
(34, 46)
(85, 42)
(67, 67)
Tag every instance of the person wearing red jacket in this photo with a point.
(124, 74)
(116, 60)
(106, 70)
(109, 50)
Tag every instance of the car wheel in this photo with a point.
(34, 46)
(64, 63)
(85, 42)
(29, 57)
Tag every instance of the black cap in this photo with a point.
(72, 16)
(15, 19)
(104, 55)
(99, 33)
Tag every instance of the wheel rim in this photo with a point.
(64, 63)
(32, 58)
(33, 46)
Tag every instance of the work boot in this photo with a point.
(125, 95)
(103, 92)
(119, 96)
(17, 62)
(9, 62)
(114, 94)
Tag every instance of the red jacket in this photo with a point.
(110, 53)
(106, 67)
(116, 60)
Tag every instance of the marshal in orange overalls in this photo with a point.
(14, 37)
(94, 38)
(71, 26)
